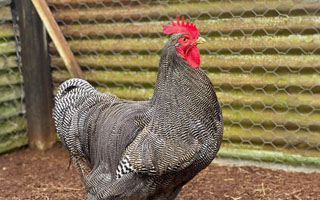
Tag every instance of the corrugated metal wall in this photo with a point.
(12, 111)
(262, 56)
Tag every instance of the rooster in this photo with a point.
(144, 149)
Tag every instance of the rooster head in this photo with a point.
(186, 45)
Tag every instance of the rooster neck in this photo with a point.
(184, 104)
(179, 83)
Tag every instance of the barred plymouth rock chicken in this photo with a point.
(144, 149)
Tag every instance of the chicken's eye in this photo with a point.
(185, 39)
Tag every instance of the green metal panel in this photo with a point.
(262, 56)
(12, 110)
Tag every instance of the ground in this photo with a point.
(29, 174)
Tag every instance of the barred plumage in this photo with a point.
(146, 149)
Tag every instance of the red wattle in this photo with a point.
(193, 57)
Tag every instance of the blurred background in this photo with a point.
(263, 58)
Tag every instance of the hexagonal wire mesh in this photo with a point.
(262, 57)
(12, 111)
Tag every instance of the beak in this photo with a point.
(200, 40)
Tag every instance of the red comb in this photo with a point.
(181, 27)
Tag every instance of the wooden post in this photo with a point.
(36, 76)
(58, 39)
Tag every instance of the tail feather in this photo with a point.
(71, 94)
(71, 97)
(75, 102)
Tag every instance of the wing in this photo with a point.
(157, 155)
(111, 128)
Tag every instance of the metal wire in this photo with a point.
(12, 110)
(262, 57)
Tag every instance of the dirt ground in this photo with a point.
(29, 174)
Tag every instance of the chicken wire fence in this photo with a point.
(262, 57)
(12, 110)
